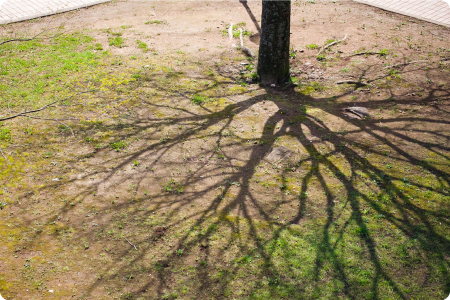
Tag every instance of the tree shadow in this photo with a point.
(368, 207)
(251, 15)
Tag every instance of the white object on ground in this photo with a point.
(1, 298)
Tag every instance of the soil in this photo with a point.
(192, 26)
(192, 175)
(159, 232)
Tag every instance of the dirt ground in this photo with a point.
(192, 26)
(158, 176)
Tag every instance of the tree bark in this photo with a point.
(273, 57)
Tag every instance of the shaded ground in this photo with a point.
(153, 181)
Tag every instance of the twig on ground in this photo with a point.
(436, 34)
(247, 51)
(352, 82)
(22, 114)
(4, 156)
(33, 38)
(23, 40)
(331, 44)
(66, 119)
(363, 53)
(131, 244)
(405, 64)
(31, 111)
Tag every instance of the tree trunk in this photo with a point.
(273, 60)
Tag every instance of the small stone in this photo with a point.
(356, 112)
(272, 85)
(279, 153)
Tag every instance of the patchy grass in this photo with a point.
(142, 45)
(34, 69)
(312, 46)
(98, 46)
(5, 134)
(117, 41)
(119, 145)
(198, 99)
(157, 22)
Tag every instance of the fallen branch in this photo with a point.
(23, 40)
(132, 244)
(331, 44)
(10, 111)
(25, 113)
(36, 36)
(436, 34)
(247, 51)
(31, 111)
(405, 64)
(4, 156)
(351, 82)
(230, 31)
(364, 53)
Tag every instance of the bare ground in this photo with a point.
(190, 205)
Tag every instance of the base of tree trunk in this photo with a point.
(273, 57)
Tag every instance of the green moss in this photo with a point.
(237, 90)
